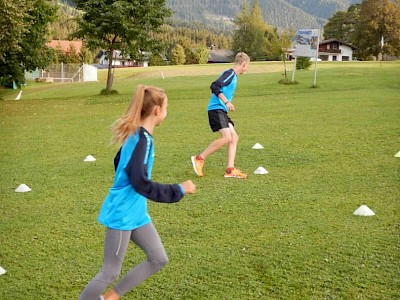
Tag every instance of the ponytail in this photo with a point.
(141, 106)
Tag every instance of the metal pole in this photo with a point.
(316, 59)
(315, 72)
(294, 67)
(62, 72)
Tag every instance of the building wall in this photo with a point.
(346, 52)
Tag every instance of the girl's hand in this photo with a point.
(189, 187)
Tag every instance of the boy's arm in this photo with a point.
(224, 80)
(223, 98)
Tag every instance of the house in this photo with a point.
(220, 56)
(119, 60)
(66, 46)
(335, 50)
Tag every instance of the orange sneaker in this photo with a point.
(235, 173)
(197, 165)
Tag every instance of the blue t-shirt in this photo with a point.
(125, 207)
(226, 84)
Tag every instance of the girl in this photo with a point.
(124, 211)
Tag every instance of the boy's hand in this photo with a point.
(189, 187)
(230, 106)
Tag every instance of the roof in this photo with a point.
(335, 40)
(220, 56)
(66, 45)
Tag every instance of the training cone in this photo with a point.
(258, 146)
(397, 154)
(2, 271)
(260, 170)
(364, 210)
(19, 96)
(23, 188)
(89, 158)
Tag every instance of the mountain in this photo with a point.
(283, 14)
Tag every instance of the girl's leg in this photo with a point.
(147, 238)
(115, 245)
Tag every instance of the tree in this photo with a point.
(186, 44)
(341, 25)
(241, 36)
(378, 19)
(201, 55)
(178, 56)
(250, 36)
(65, 24)
(13, 24)
(24, 27)
(126, 25)
(364, 25)
(279, 43)
(86, 56)
(258, 39)
(156, 60)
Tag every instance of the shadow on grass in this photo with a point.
(288, 82)
(106, 92)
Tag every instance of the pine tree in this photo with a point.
(178, 56)
(250, 35)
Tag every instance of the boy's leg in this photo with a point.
(231, 171)
(232, 146)
(219, 121)
(226, 138)
(147, 238)
(198, 160)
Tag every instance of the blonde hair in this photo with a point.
(141, 106)
(241, 57)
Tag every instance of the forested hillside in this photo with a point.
(292, 14)
(283, 14)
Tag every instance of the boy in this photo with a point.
(220, 103)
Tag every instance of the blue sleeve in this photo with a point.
(224, 80)
(137, 173)
(117, 158)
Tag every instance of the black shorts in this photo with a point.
(219, 119)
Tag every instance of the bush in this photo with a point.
(303, 63)
(156, 60)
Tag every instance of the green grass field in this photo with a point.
(290, 234)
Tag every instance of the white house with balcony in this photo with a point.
(335, 50)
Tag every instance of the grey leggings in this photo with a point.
(115, 246)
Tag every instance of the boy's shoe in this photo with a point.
(235, 173)
(197, 165)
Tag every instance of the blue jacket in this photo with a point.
(125, 207)
(226, 84)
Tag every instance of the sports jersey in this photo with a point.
(226, 84)
(125, 207)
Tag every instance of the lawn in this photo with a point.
(290, 234)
